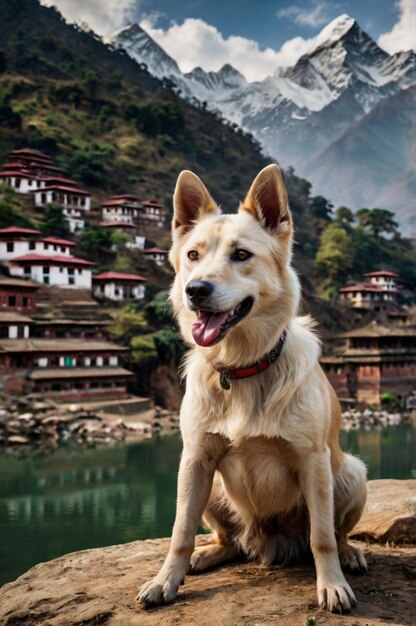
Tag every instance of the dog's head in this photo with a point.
(234, 283)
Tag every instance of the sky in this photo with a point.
(255, 36)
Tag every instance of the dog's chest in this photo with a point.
(261, 474)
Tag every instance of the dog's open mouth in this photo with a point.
(210, 327)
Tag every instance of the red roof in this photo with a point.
(116, 202)
(18, 174)
(382, 273)
(154, 251)
(59, 179)
(52, 260)
(30, 151)
(358, 287)
(152, 203)
(75, 190)
(16, 230)
(117, 223)
(59, 242)
(14, 164)
(114, 276)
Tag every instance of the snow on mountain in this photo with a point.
(300, 111)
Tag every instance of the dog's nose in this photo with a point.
(198, 290)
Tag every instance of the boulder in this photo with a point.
(390, 514)
(99, 587)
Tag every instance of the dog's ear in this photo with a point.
(267, 200)
(191, 201)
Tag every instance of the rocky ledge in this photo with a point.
(98, 587)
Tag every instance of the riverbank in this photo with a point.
(99, 586)
(32, 420)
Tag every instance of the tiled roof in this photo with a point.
(43, 258)
(374, 329)
(75, 190)
(58, 345)
(59, 242)
(155, 251)
(16, 230)
(115, 276)
(11, 316)
(79, 372)
(16, 282)
(382, 273)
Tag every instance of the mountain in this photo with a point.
(373, 162)
(106, 120)
(300, 111)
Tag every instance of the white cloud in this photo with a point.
(315, 16)
(196, 43)
(103, 16)
(403, 34)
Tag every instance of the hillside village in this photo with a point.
(54, 313)
(54, 310)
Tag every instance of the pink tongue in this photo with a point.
(207, 327)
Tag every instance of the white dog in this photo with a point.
(261, 459)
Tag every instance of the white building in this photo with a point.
(155, 254)
(20, 181)
(15, 241)
(118, 286)
(123, 208)
(59, 270)
(73, 200)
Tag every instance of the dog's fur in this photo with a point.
(261, 462)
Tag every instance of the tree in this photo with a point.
(344, 216)
(94, 239)
(54, 221)
(335, 256)
(377, 221)
(321, 207)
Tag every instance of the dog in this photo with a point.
(261, 461)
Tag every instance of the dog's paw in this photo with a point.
(336, 597)
(352, 559)
(156, 592)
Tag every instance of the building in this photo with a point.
(64, 369)
(60, 270)
(124, 208)
(14, 325)
(31, 171)
(156, 254)
(26, 169)
(378, 291)
(15, 241)
(118, 286)
(17, 295)
(152, 213)
(62, 328)
(74, 202)
(375, 360)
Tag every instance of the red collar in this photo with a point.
(255, 368)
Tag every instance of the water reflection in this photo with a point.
(71, 500)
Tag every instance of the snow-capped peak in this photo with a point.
(336, 29)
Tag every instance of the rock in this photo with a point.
(18, 439)
(99, 587)
(390, 514)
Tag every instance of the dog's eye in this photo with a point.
(241, 255)
(193, 255)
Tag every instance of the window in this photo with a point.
(32, 245)
(12, 300)
(10, 246)
(25, 301)
(18, 181)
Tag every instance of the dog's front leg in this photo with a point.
(334, 593)
(194, 487)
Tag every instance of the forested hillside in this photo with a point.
(116, 129)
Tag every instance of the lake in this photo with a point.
(73, 499)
